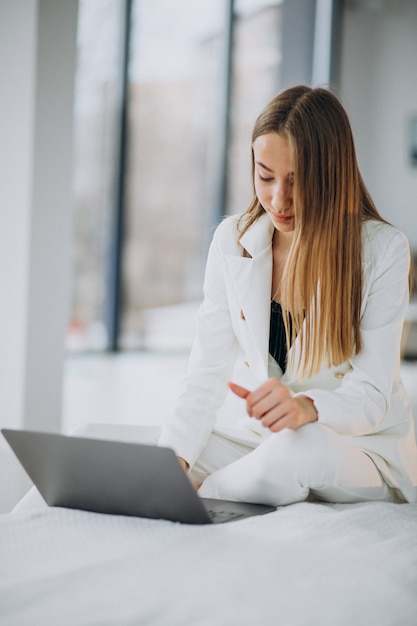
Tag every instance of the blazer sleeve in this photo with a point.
(204, 387)
(360, 406)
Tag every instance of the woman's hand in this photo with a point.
(273, 404)
(185, 466)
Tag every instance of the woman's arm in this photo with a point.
(212, 358)
(362, 402)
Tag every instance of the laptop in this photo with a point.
(118, 478)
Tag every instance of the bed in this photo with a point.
(304, 564)
(307, 564)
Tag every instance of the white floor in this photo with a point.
(129, 388)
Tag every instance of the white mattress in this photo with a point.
(305, 564)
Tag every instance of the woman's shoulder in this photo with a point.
(226, 233)
(377, 234)
(381, 240)
(231, 223)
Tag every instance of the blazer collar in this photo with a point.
(259, 236)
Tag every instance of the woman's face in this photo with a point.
(274, 179)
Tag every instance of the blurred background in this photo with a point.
(197, 77)
(125, 136)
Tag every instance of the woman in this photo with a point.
(304, 301)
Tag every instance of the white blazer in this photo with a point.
(363, 399)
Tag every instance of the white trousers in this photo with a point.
(312, 463)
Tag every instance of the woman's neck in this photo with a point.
(282, 242)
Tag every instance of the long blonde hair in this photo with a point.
(321, 290)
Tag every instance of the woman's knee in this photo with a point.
(305, 447)
(277, 472)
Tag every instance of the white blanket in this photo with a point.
(306, 564)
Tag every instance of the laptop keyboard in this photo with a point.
(218, 516)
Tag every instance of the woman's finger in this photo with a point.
(238, 390)
(283, 410)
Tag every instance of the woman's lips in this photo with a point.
(285, 219)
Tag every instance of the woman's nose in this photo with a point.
(281, 196)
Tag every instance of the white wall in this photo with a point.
(379, 90)
(37, 62)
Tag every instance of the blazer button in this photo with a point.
(339, 375)
(246, 363)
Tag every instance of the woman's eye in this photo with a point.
(265, 179)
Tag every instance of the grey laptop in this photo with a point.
(118, 478)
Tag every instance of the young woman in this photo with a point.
(304, 301)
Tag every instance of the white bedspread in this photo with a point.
(305, 564)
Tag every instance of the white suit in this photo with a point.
(362, 400)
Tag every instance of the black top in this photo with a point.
(277, 340)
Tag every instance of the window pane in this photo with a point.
(255, 81)
(175, 106)
(96, 135)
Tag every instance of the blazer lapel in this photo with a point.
(252, 278)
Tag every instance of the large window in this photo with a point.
(175, 100)
(100, 37)
(255, 81)
(198, 74)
